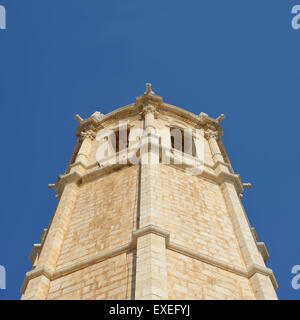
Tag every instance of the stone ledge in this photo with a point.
(107, 169)
(81, 164)
(171, 245)
(207, 259)
(150, 229)
(64, 179)
(224, 265)
(215, 165)
(75, 266)
(255, 268)
(263, 250)
(61, 272)
(34, 274)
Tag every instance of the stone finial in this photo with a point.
(247, 185)
(78, 118)
(203, 115)
(149, 89)
(97, 116)
(149, 97)
(220, 118)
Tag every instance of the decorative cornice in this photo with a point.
(218, 163)
(133, 110)
(230, 177)
(64, 179)
(187, 162)
(78, 164)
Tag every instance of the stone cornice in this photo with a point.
(134, 109)
(187, 162)
(219, 178)
(64, 179)
(80, 164)
(230, 177)
(170, 244)
(218, 163)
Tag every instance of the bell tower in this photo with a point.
(149, 207)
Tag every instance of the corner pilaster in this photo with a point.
(36, 284)
(151, 268)
(261, 283)
(84, 151)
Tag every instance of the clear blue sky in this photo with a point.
(59, 58)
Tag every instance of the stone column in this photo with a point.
(151, 270)
(83, 154)
(149, 112)
(39, 278)
(212, 137)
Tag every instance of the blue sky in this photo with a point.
(237, 57)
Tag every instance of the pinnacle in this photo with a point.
(149, 89)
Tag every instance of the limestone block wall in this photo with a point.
(112, 279)
(149, 230)
(103, 218)
(195, 214)
(192, 279)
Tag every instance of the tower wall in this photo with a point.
(197, 280)
(195, 214)
(149, 229)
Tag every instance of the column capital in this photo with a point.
(90, 134)
(149, 108)
(211, 133)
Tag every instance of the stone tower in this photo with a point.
(149, 208)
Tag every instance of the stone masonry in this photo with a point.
(139, 218)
